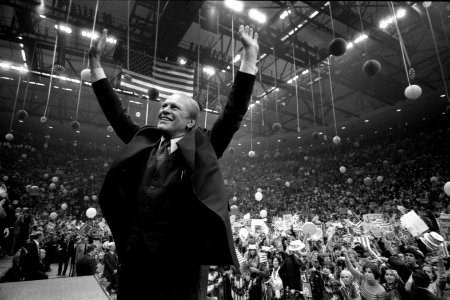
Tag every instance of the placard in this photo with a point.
(85, 229)
(444, 225)
(368, 218)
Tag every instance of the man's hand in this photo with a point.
(6, 232)
(250, 43)
(95, 52)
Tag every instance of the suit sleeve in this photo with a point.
(114, 112)
(229, 121)
(93, 266)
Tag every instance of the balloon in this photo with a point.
(22, 115)
(342, 169)
(109, 129)
(43, 119)
(9, 137)
(434, 179)
(317, 235)
(380, 178)
(368, 181)
(91, 212)
(287, 184)
(258, 196)
(234, 210)
(105, 165)
(64, 206)
(45, 145)
(251, 153)
(276, 126)
(45, 176)
(349, 180)
(24, 156)
(75, 125)
(371, 67)
(263, 213)
(447, 188)
(55, 179)
(52, 186)
(5, 178)
(53, 215)
(91, 177)
(385, 163)
(338, 46)
(306, 158)
(244, 169)
(309, 227)
(337, 140)
(94, 197)
(153, 94)
(86, 75)
(34, 190)
(413, 92)
(234, 198)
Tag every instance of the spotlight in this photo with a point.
(257, 15)
(234, 5)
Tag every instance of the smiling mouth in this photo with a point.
(164, 119)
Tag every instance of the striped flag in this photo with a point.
(262, 257)
(241, 259)
(168, 78)
(363, 240)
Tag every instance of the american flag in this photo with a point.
(239, 256)
(168, 78)
(363, 240)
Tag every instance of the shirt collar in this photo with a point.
(173, 143)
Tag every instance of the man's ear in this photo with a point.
(191, 124)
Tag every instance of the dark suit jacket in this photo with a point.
(420, 294)
(31, 261)
(111, 264)
(200, 150)
(87, 265)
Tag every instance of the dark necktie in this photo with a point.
(162, 153)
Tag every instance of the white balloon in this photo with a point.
(52, 186)
(64, 206)
(447, 188)
(380, 178)
(258, 196)
(263, 213)
(53, 215)
(55, 179)
(342, 169)
(9, 137)
(413, 92)
(91, 212)
(337, 140)
(251, 153)
(288, 184)
(86, 75)
(234, 199)
(259, 190)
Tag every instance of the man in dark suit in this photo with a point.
(32, 264)
(421, 281)
(87, 264)
(166, 181)
(111, 262)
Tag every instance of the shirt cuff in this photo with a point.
(97, 74)
(249, 68)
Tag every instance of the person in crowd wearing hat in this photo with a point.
(290, 269)
(420, 282)
(31, 262)
(110, 272)
(87, 265)
(368, 280)
(215, 281)
(142, 192)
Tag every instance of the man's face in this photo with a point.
(410, 259)
(402, 256)
(174, 116)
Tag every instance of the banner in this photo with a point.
(85, 229)
(413, 223)
(368, 218)
(444, 225)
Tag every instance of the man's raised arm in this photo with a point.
(109, 102)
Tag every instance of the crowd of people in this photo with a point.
(46, 191)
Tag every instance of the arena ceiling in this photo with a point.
(299, 38)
